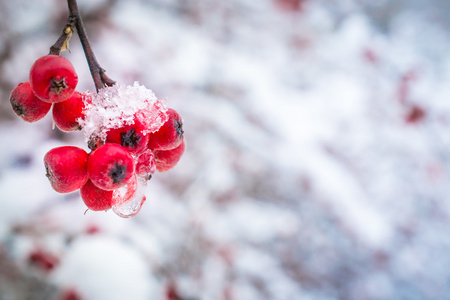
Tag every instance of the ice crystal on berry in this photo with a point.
(119, 105)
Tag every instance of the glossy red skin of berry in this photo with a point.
(66, 168)
(26, 105)
(167, 159)
(170, 135)
(110, 166)
(95, 198)
(130, 137)
(146, 164)
(53, 78)
(66, 113)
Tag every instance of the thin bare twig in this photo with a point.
(98, 74)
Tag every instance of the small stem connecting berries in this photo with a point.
(63, 41)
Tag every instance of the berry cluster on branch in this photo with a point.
(130, 133)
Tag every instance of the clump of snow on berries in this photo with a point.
(119, 105)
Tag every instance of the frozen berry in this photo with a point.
(67, 113)
(95, 198)
(170, 134)
(53, 78)
(145, 164)
(110, 166)
(167, 159)
(66, 168)
(130, 137)
(128, 200)
(26, 105)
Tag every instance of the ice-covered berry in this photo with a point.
(66, 168)
(96, 198)
(26, 105)
(128, 200)
(131, 137)
(170, 134)
(126, 192)
(110, 166)
(145, 164)
(53, 78)
(167, 159)
(67, 113)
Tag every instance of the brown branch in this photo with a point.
(98, 74)
(63, 41)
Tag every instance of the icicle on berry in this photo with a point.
(66, 168)
(26, 105)
(145, 164)
(53, 78)
(128, 200)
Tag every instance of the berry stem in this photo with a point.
(63, 41)
(98, 74)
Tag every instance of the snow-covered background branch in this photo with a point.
(317, 163)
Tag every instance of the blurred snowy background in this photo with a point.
(317, 162)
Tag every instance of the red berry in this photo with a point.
(110, 166)
(66, 113)
(290, 5)
(53, 78)
(145, 164)
(69, 294)
(167, 159)
(169, 135)
(95, 198)
(43, 260)
(415, 114)
(130, 137)
(66, 168)
(26, 105)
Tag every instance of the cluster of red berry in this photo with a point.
(121, 162)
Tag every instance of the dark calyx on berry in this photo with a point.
(118, 173)
(178, 127)
(58, 85)
(95, 142)
(47, 172)
(129, 138)
(18, 109)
